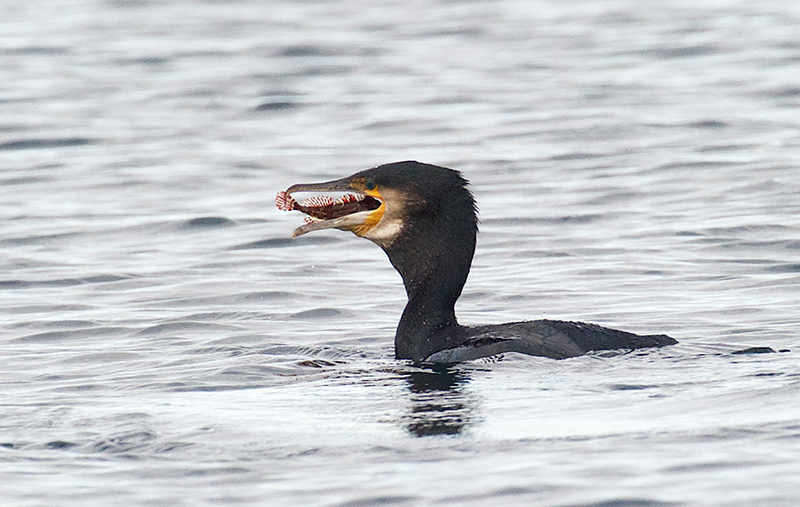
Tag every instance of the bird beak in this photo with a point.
(341, 185)
(355, 213)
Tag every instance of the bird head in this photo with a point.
(381, 203)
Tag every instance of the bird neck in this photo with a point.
(434, 263)
(428, 325)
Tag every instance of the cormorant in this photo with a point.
(425, 219)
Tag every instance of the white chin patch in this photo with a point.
(385, 232)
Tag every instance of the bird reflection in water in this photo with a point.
(439, 403)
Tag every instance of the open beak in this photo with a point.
(355, 211)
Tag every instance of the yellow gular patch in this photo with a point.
(374, 218)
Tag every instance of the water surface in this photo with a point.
(164, 342)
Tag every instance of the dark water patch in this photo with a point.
(739, 231)
(303, 51)
(330, 352)
(557, 220)
(228, 350)
(576, 219)
(173, 327)
(323, 70)
(14, 284)
(792, 92)
(276, 106)
(167, 447)
(102, 357)
(207, 223)
(104, 278)
(78, 388)
(386, 125)
(146, 61)
(703, 164)
(489, 495)
(682, 51)
(467, 32)
(537, 254)
(265, 243)
(37, 144)
(768, 374)
(284, 242)
(59, 445)
(225, 316)
(726, 148)
(58, 378)
(45, 309)
(598, 252)
(241, 340)
(755, 350)
(217, 387)
(616, 197)
(784, 268)
(268, 296)
(452, 99)
(379, 500)
(317, 313)
(217, 471)
(72, 334)
(707, 125)
(66, 324)
(316, 363)
(123, 443)
(60, 282)
(630, 502)
(37, 50)
(230, 299)
(620, 272)
(740, 310)
(725, 242)
(22, 181)
(36, 240)
(630, 387)
(475, 295)
(706, 466)
(576, 156)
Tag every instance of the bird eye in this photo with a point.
(370, 184)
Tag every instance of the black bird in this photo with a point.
(425, 219)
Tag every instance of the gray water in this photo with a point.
(164, 342)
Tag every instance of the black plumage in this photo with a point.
(426, 222)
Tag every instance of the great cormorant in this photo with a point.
(425, 219)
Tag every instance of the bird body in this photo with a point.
(425, 219)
